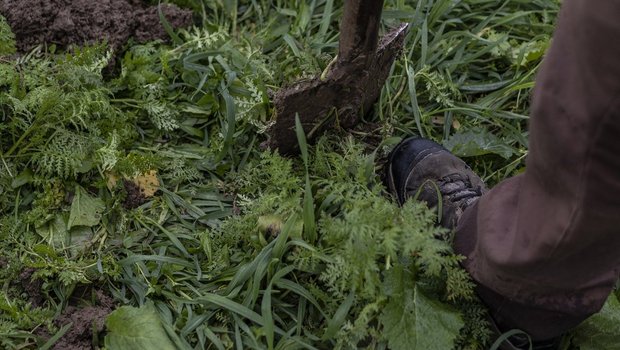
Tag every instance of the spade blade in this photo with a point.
(348, 91)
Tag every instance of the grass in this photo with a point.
(241, 248)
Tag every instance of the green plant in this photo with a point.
(240, 247)
(7, 39)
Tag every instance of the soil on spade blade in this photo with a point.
(67, 22)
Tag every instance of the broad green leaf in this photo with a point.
(477, 142)
(411, 321)
(85, 210)
(25, 177)
(137, 329)
(55, 231)
(81, 235)
(600, 332)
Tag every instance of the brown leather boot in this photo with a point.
(422, 169)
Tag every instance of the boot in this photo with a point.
(422, 169)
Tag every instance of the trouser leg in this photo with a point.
(544, 246)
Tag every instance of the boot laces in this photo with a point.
(458, 189)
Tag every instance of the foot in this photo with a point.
(423, 169)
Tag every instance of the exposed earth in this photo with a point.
(67, 22)
(85, 321)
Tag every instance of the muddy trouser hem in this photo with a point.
(544, 246)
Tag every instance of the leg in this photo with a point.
(544, 246)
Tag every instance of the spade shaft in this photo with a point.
(359, 28)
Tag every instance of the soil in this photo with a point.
(32, 287)
(85, 321)
(67, 22)
(135, 195)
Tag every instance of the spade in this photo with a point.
(348, 88)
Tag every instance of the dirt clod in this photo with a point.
(66, 22)
(85, 321)
(135, 195)
(31, 286)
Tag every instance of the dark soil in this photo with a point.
(135, 196)
(31, 286)
(67, 22)
(85, 322)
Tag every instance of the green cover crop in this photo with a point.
(240, 248)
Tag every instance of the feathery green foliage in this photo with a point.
(7, 39)
(240, 247)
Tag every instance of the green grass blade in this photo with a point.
(231, 306)
(53, 339)
(310, 233)
(230, 122)
(301, 291)
(301, 139)
(325, 20)
(280, 241)
(339, 317)
(266, 311)
(424, 43)
(132, 259)
(291, 43)
(214, 339)
(162, 18)
(175, 241)
(246, 271)
(417, 114)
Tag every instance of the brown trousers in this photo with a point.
(544, 246)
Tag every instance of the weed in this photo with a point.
(235, 246)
